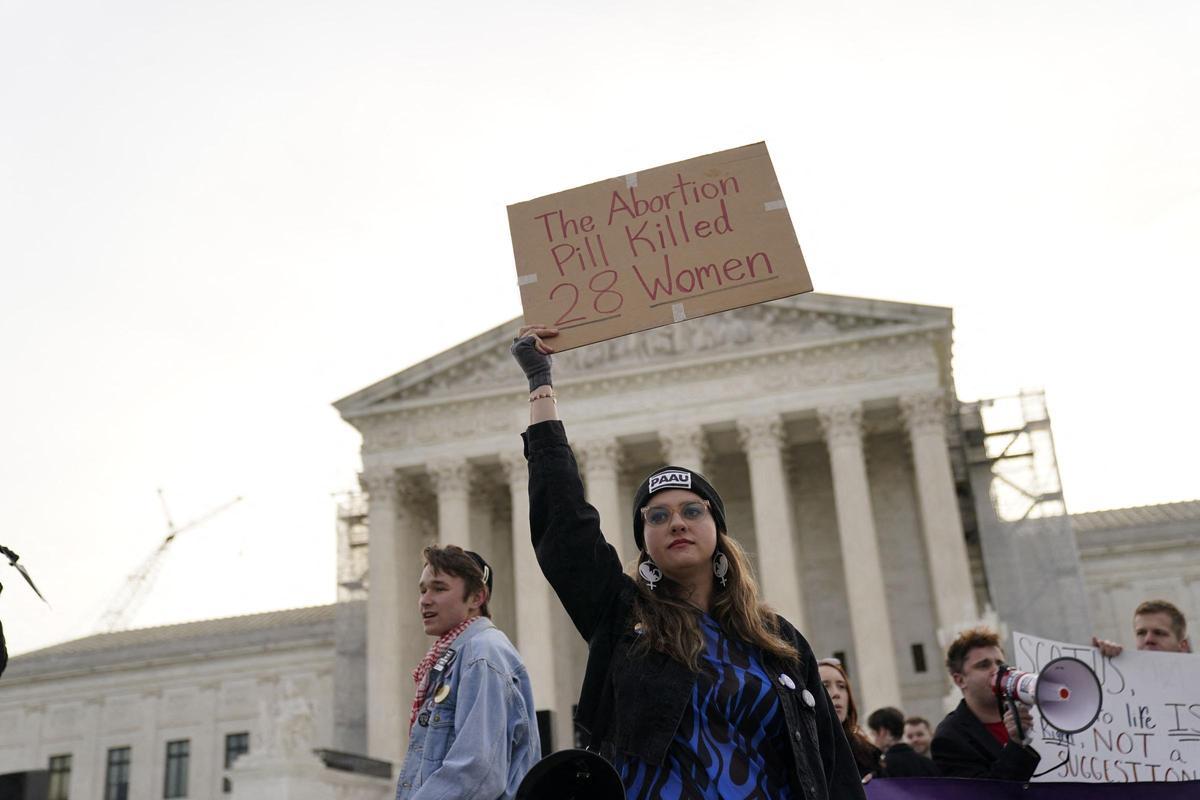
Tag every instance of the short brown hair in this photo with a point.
(918, 721)
(453, 560)
(1178, 621)
(967, 641)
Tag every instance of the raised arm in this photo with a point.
(582, 567)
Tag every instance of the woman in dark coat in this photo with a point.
(693, 688)
(866, 755)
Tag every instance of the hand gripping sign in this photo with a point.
(655, 247)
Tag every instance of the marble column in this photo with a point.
(412, 510)
(875, 676)
(395, 639)
(89, 765)
(533, 593)
(33, 729)
(774, 527)
(600, 462)
(208, 754)
(945, 546)
(145, 748)
(684, 446)
(452, 482)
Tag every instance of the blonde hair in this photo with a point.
(1178, 621)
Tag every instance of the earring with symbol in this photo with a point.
(650, 573)
(720, 567)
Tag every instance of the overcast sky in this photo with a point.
(218, 217)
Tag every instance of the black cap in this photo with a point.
(674, 478)
(571, 775)
(484, 566)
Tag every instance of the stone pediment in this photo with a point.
(483, 365)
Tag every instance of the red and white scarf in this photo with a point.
(421, 673)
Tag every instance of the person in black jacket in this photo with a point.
(693, 689)
(979, 739)
(899, 759)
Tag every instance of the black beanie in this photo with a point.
(674, 478)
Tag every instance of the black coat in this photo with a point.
(867, 756)
(632, 701)
(901, 761)
(963, 748)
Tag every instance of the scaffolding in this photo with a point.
(1015, 440)
(1030, 556)
(352, 546)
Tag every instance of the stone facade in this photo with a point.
(141, 689)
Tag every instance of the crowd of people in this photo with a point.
(892, 745)
(694, 687)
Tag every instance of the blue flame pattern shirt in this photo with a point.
(732, 741)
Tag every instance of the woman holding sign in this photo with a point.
(693, 688)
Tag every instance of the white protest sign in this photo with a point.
(1149, 724)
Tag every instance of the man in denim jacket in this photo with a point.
(474, 729)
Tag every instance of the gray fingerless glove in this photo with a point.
(535, 364)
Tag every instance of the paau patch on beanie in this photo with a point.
(669, 478)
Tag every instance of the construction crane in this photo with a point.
(137, 586)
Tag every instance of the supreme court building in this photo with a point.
(882, 514)
(830, 425)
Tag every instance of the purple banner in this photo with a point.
(964, 789)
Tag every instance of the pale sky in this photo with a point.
(218, 217)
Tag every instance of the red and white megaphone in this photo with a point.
(1066, 692)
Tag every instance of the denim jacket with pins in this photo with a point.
(633, 701)
(476, 734)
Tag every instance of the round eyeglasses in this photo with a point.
(691, 511)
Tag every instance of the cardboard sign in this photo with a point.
(1149, 725)
(655, 247)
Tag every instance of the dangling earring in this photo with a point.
(720, 567)
(650, 573)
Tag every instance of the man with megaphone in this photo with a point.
(980, 738)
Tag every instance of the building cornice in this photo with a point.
(706, 390)
(48, 674)
(633, 376)
(809, 322)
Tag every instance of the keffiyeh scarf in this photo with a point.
(421, 673)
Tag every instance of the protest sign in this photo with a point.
(1149, 724)
(655, 247)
